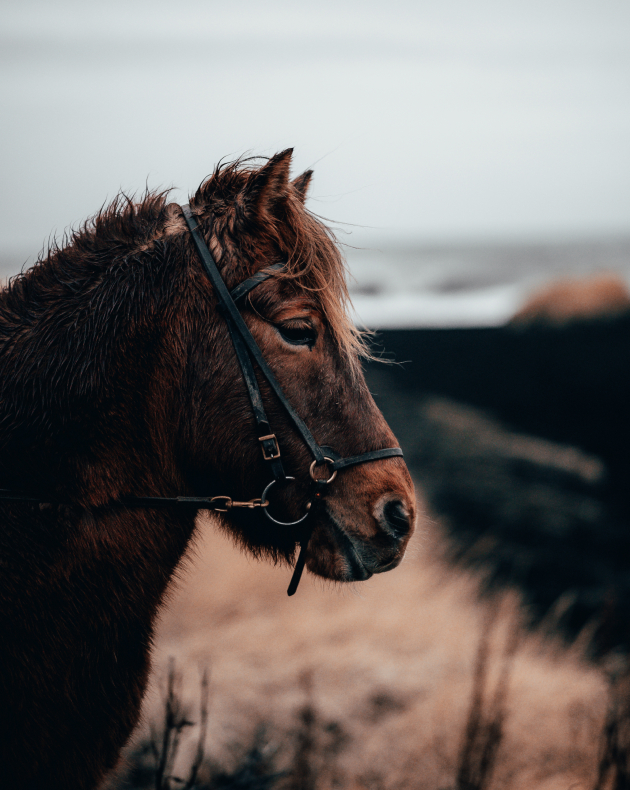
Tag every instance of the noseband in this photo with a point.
(247, 352)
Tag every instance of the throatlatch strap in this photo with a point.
(231, 313)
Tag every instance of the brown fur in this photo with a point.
(118, 378)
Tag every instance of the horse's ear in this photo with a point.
(302, 183)
(269, 187)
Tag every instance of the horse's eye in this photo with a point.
(297, 333)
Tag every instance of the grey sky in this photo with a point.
(433, 120)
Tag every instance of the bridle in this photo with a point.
(247, 349)
(247, 352)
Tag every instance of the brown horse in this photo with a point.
(118, 378)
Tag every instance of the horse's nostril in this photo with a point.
(395, 518)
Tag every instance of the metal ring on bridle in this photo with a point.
(264, 499)
(312, 470)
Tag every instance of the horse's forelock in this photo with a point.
(317, 265)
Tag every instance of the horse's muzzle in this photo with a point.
(361, 557)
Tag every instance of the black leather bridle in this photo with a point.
(247, 352)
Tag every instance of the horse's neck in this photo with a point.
(91, 441)
(107, 565)
(78, 602)
(69, 371)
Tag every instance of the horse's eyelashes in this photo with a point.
(297, 333)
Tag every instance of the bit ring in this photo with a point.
(264, 502)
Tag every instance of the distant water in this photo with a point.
(453, 285)
(467, 285)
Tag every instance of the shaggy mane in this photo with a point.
(120, 231)
(127, 228)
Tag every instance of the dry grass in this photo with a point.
(407, 680)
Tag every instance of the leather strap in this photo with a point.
(8, 495)
(196, 502)
(232, 314)
(299, 564)
(242, 289)
(267, 439)
(374, 455)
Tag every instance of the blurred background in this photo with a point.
(474, 161)
(469, 151)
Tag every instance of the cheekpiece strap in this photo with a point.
(269, 444)
(232, 314)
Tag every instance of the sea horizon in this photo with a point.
(405, 283)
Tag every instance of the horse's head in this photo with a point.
(252, 218)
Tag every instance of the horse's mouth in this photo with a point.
(335, 554)
(351, 554)
(390, 565)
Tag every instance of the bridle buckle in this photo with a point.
(228, 503)
(270, 447)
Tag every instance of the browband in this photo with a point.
(250, 283)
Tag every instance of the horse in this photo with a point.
(119, 387)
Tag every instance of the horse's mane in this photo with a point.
(119, 232)
(128, 228)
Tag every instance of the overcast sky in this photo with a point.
(434, 120)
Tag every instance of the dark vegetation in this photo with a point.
(519, 438)
(299, 762)
(307, 757)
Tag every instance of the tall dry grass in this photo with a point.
(406, 681)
